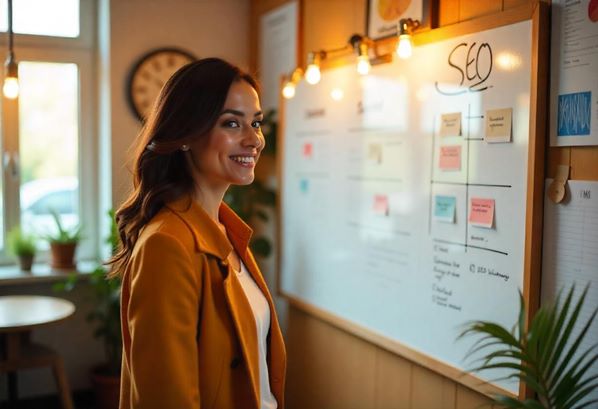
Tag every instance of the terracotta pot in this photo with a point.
(63, 255)
(106, 389)
(25, 262)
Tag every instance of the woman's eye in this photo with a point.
(231, 124)
(256, 124)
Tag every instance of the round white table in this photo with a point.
(19, 315)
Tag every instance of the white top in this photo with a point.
(261, 312)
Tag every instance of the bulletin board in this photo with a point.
(411, 198)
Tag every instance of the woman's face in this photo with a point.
(232, 148)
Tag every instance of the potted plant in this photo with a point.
(22, 245)
(105, 316)
(542, 356)
(63, 244)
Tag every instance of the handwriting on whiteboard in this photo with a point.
(473, 63)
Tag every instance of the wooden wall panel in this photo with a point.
(584, 163)
(468, 399)
(469, 9)
(431, 390)
(509, 4)
(323, 32)
(392, 389)
(327, 368)
(448, 12)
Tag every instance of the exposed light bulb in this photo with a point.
(11, 87)
(404, 46)
(312, 74)
(337, 94)
(363, 65)
(288, 91)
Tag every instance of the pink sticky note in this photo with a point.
(308, 150)
(381, 205)
(450, 157)
(481, 212)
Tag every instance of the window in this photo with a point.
(48, 142)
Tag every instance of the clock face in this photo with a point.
(149, 75)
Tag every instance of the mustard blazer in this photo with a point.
(189, 335)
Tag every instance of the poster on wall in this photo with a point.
(384, 15)
(574, 83)
(278, 50)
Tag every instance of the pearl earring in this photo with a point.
(184, 148)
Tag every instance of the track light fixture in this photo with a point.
(405, 28)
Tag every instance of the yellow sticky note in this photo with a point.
(498, 125)
(450, 124)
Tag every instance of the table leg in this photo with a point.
(12, 389)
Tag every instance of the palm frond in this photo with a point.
(546, 356)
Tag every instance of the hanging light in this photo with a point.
(288, 91)
(11, 69)
(312, 73)
(405, 44)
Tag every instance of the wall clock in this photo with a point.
(150, 73)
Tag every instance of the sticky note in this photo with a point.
(444, 208)
(481, 212)
(450, 157)
(450, 124)
(381, 205)
(498, 125)
(375, 152)
(304, 185)
(308, 150)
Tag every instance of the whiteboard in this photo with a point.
(361, 173)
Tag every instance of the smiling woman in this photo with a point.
(198, 322)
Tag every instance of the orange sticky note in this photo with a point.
(450, 157)
(481, 212)
(381, 205)
(308, 150)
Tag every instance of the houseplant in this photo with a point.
(63, 243)
(22, 245)
(543, 355)
(105, 317)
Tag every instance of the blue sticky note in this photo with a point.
(304, 185)
(574, 114)
(444, 208)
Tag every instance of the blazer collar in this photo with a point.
(207, 235)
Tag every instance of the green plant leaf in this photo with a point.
(261, 246)
(542, 355)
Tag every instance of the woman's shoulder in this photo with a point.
(166, 225)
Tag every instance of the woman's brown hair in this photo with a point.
(186, 109)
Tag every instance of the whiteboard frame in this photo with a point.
(538, 13)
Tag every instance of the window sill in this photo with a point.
(41, 273)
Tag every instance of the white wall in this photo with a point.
(207, 28)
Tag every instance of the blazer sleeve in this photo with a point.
(162, 320)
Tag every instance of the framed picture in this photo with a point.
(384, 15)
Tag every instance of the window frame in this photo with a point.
(79, 51)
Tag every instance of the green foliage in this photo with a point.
(63, 235)
(270, 130)
(105, 312)
(542, 356)
(20, 243)
(250, 201)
